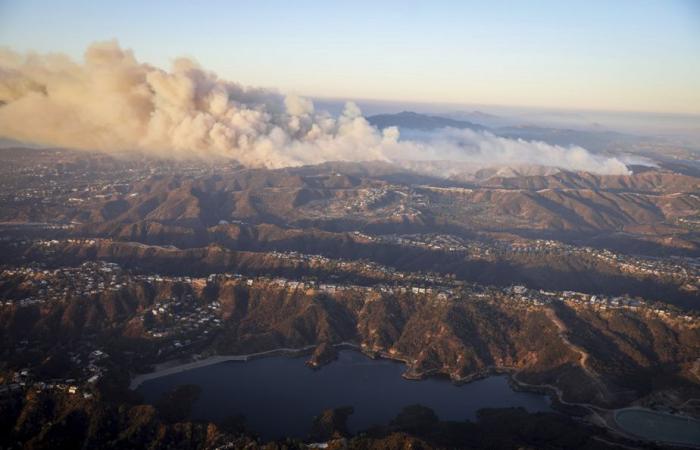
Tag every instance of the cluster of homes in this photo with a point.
(445, 288)
(44, 285)
(66, 181)
(679, 268)
(186, 317)
(597, 302)
(182, 321)
(91, 368)
(340, 265)
(692, 223)
(366, 198)
(183, 318)
(384, 200)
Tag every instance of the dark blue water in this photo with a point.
(280, 396)
(659, 426)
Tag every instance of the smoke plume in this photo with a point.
(484, 149)
(112, 102)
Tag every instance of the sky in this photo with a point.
(593, 55)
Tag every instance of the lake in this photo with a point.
(279, 396)
(659, 426)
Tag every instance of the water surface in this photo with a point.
(279, 396)
(659, 426)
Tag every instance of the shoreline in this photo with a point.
(138, 380)
(597, 414)
(165, 369)
(553, 392)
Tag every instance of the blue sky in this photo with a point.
(613, 55)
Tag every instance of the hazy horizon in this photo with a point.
(622, 57)
(280, 85)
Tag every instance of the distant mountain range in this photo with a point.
(597, 141)
(480, 118)
(423, 122)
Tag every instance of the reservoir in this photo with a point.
(659, 426)
(280, 396)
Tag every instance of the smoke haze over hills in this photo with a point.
(112, 102)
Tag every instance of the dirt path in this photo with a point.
(584, 356)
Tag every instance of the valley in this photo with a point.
(583, 288)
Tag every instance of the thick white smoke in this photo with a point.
(484, 149)
(112, 102)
